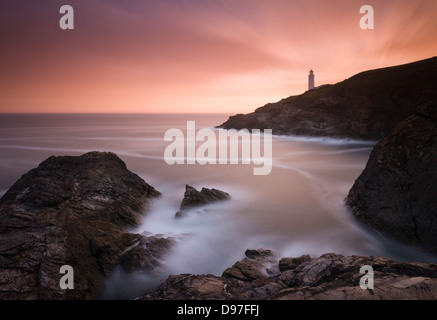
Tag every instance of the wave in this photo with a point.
(325, 140)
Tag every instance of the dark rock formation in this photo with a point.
(68, 211)
(366, 106)
(146, 253)
(330, 277)
(257, 265)
(193, 198)
(396, 193)
(291, 263)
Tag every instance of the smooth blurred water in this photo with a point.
(297, 209)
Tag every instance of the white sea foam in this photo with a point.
(325, 140)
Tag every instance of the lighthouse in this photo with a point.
(311, 80)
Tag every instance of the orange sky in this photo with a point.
(229, 56)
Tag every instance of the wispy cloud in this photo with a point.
(196, 55)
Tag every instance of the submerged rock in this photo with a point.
(68, 211)
(193, 198)
(329, 277)
(396, 193)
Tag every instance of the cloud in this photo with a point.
(161, 55)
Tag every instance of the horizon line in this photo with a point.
(112, 113)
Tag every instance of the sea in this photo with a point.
(295, 210)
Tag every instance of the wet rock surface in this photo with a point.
(194, 199)
(146, 254)
(396, 193)
(329, 277)
(68, 211)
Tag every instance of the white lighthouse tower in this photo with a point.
(311, 80)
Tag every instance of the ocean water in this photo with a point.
(297, 209)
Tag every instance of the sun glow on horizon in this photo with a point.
(195, 56)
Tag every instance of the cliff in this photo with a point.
(366, 106)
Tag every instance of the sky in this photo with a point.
(188, 56)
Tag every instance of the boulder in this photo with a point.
(256, 265)
(396, 193)
(194, 198)
(291, 263)
(146, 254)
(68, 211)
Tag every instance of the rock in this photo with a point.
(335, 277)
(68, 211)
(180, 214)
(366, 106)
(255, 266)
(291, 263)
(331, 277)
(311, 273)
(260, 254)
(193, 198)
(396, 193)
(188, 287)
(145, 254)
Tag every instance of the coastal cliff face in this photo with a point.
(396, 193)
(70, 211)
(366, 106)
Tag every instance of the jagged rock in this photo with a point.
(260, 254)
(146, 253)
(396, 193)
(193, 198)
(255, 266)
(331, 276)
(68, 211)
(291, 263)
(365, 106)
(188, 287)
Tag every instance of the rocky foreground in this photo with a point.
(73, 211)
(77, 211)
(329, 277)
